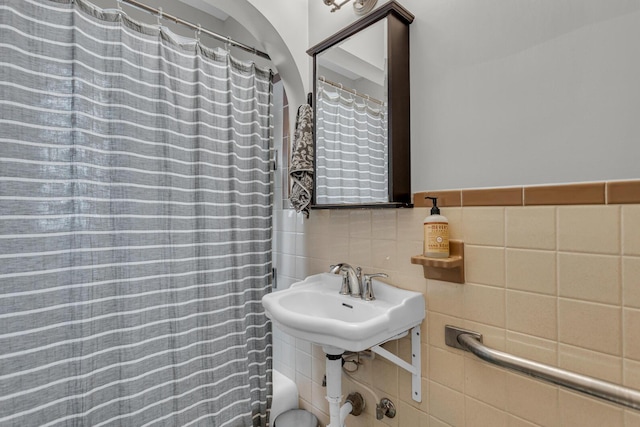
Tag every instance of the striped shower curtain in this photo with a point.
(135, 224)
(352, 153)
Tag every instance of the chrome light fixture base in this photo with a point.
(362, 7)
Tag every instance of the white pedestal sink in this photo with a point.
(314, 310)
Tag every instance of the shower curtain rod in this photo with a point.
(160, 14)
(351, 91)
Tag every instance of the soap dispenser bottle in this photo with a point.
(436, 233)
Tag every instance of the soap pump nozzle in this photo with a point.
(435, 210)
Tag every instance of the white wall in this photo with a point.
(289, 18)
(518, 93)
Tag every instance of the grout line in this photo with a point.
(557, 250)
(506, 277)
(623, 344)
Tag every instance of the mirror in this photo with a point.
(361, 112)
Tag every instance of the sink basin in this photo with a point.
(314, 310)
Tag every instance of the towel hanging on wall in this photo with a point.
(301, 171)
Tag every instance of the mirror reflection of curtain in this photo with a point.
(352, 150)
(135, 224)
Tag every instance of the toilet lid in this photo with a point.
(296, 418)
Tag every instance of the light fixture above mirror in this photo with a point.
(360, 7)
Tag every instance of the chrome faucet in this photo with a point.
(351, 279)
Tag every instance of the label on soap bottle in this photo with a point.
(436, 238)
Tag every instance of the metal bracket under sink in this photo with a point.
(414, 368)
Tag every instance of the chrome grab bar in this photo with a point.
(472, 342)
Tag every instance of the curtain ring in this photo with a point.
(198, 31)
(227, 45)
(159, 16)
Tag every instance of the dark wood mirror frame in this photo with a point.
(399, 130)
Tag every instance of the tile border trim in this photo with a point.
(590, 193)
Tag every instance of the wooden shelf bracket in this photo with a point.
(449, 269)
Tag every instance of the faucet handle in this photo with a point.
(345, 289)
(368, 285)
